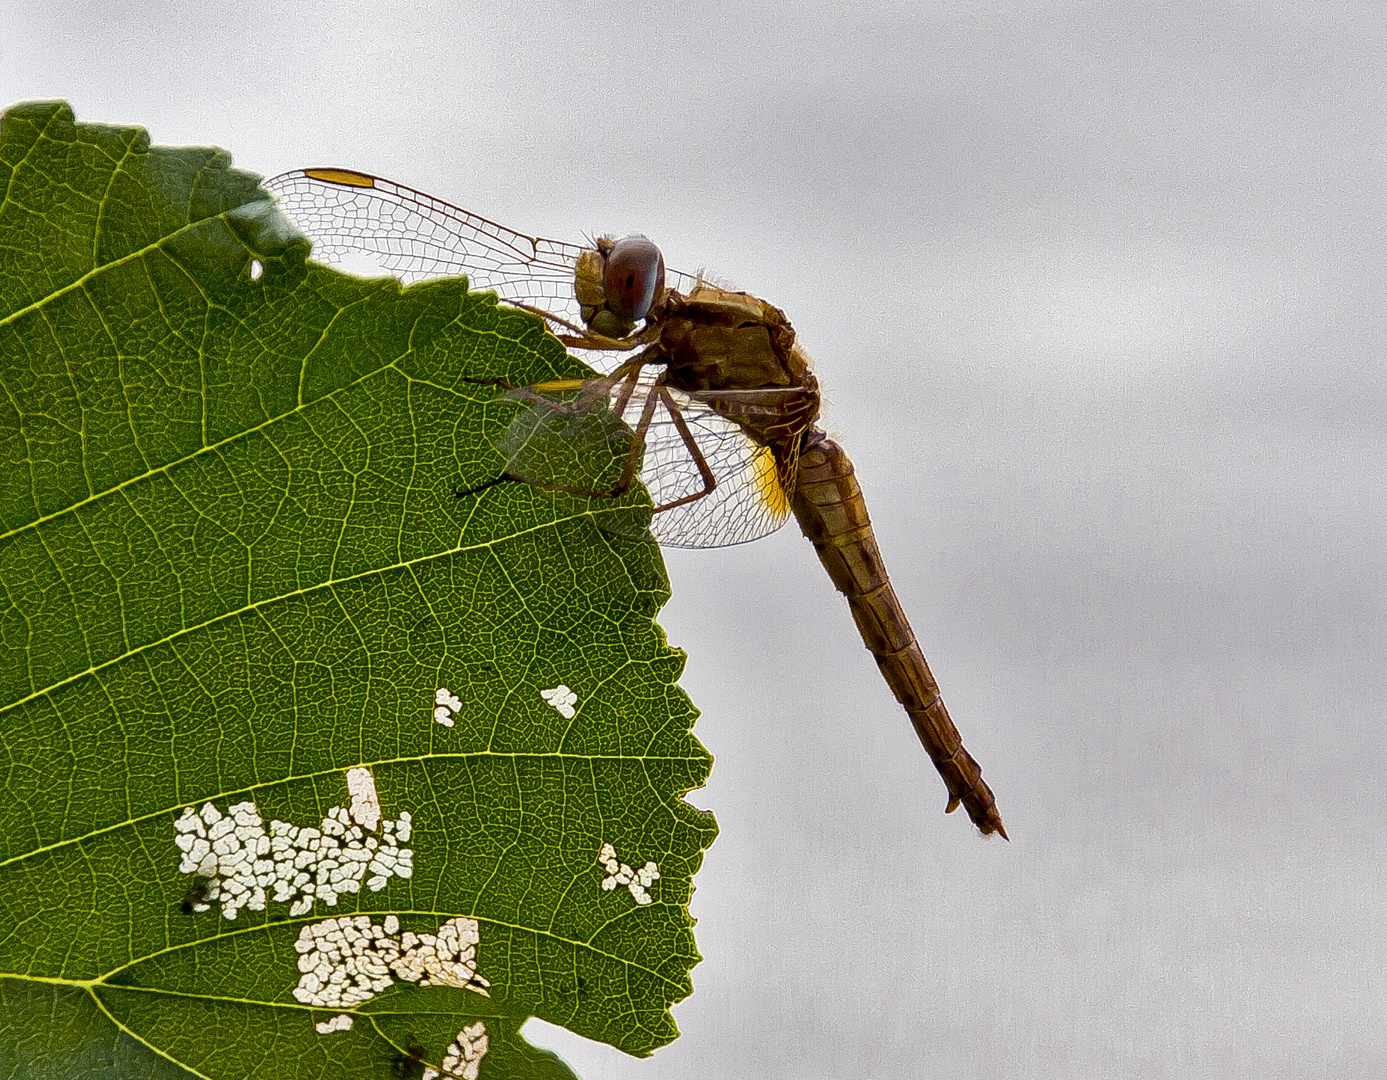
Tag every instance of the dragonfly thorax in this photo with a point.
(715, 339)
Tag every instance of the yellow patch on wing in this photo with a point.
(769, 484)
(341, 176)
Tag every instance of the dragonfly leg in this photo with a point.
(630, 374)
(477, 489)
(620, 489)
(682, 426)
(502, 383)
(583, 338)
(628, 471)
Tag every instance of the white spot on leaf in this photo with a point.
(257, 268)
(349, 960)
(618, 873)
(365, 809)
(562, 699)
(445, 704)
(464, 1057)
(245, 865)
(340, 1022)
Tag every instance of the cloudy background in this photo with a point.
(1097, 293)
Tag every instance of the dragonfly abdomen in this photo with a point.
(832, 513)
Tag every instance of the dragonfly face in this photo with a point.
(619, 283)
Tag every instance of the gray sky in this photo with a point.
(1097, 293)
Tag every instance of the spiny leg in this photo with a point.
(594, 390)
(701, 463)
(633, 455)
(583, 338)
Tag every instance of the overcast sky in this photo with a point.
(1096, 291)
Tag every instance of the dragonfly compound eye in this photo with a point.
(635, 277)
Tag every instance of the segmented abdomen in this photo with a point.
(831, 512)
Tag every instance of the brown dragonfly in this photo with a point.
(721, 399)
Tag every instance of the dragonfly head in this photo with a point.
(619, 283)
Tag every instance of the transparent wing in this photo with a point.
(556, 442)
(368, 225)
(751, 497)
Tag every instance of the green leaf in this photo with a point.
(234, 568)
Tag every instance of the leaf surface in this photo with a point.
(234, 570)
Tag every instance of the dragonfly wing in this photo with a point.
(751, 495)
(561, 446)
(365, 224)
(356, 221)
(556, 445)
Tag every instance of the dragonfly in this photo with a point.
(720, 398)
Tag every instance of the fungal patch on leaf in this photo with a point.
(562, 699)
(340, 1022)
(243, 863)
(465, 1053)
(349, 960)
(618, 873)
(445, 703)
(257, 269)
